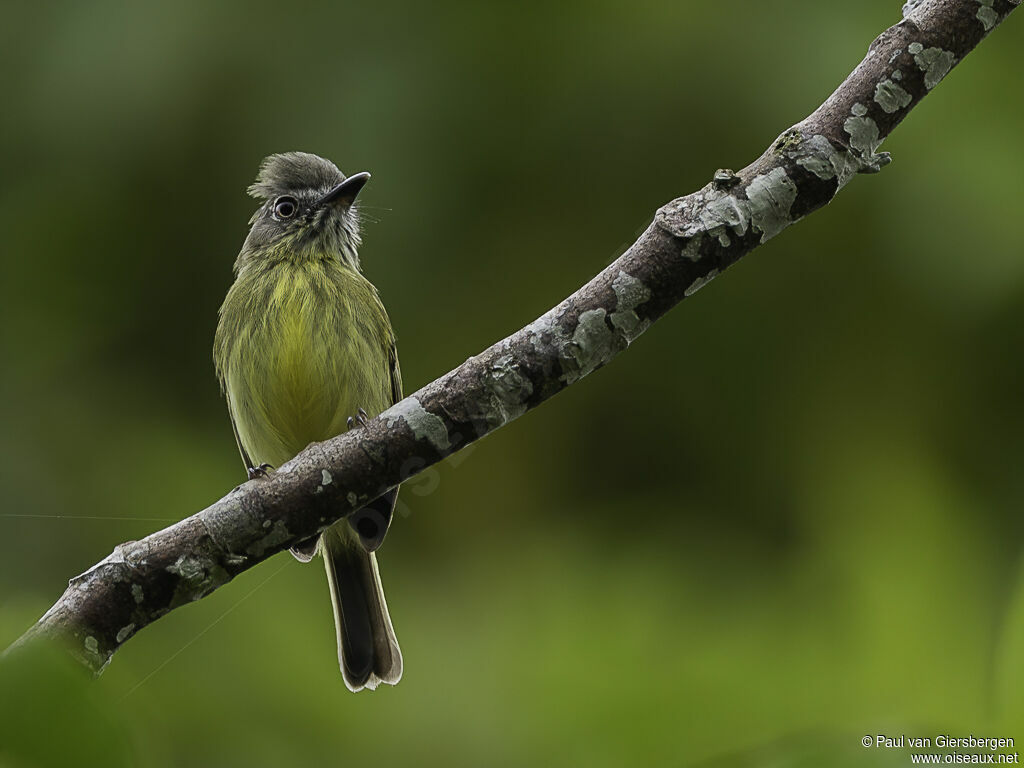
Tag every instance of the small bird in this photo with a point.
(304, 349)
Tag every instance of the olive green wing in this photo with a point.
(238, 440)
(396, 373)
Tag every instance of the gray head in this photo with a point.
(307, 212)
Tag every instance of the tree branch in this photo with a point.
(691, 240)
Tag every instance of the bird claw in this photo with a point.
(260, 471)
(359, 420)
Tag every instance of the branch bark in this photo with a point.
(690, 241)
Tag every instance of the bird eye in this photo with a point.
(285, 207)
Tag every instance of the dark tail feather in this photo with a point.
(367, 648)
(372, 521)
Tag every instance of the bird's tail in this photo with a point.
(367, 648)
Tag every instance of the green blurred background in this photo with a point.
(789, 516)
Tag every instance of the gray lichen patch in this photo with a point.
(325, 477)
(817, 155)
(691, 251)
(137, 594)
(700, 282)
(538, 329)
(864, 138)
(891, 97)
(814, 155)
(987, 14)
(713, 210)
(672, 218)
(771, 197)
(131, 553)
(934, 62)
(198, 575)
(124, 633)
(278, 534)
(629, 293)
(424, 424)
(721, 210)
(96, 659)
(189, 568)
(592, 345)
(508, 390)
(717, 213)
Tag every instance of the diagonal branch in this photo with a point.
(691, 240)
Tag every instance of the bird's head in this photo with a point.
(307, 212)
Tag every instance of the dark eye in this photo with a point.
(285, 207)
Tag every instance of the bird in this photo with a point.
(303, 350)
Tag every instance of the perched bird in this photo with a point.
(303, 350)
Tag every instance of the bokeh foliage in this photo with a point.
(788, 517)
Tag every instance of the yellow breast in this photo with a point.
(310, 349)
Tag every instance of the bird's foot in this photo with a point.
(359, 420)
(260, 471)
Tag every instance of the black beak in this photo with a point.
(345, 193)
